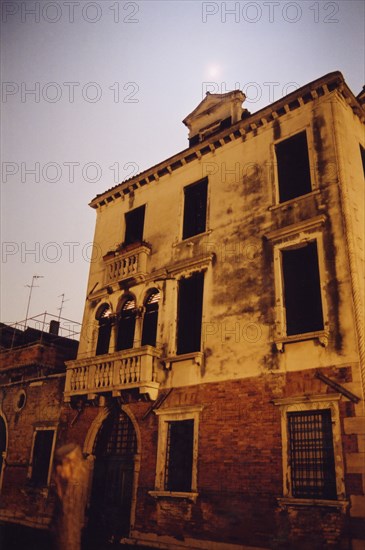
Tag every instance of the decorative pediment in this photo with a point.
(213, 111)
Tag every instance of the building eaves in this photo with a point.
(307, 93)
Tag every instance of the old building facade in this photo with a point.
(220, 376)
(32, 379)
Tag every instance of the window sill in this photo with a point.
(292, 202)
(287, 502)
(193, 238)
(197, 358)
(172, 494)
(321, 335)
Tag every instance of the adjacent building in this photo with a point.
(32, 379)
(218, 388)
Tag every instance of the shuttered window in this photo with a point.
(195, 208)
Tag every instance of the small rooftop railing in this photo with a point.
(44, 326)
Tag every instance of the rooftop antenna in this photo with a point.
(61, 307)
(30, 295)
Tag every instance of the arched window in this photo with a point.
(126, 324)
(149, 332)
(2, 443)
(104, 318)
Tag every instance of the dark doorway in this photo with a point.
(112, 489)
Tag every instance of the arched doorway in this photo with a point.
(115, 450)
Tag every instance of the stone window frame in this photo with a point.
(50, 464)
(165, 416)
(312, 403)
(312, 165)
(291, 237)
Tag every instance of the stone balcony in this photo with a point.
(128, 263)
(114, 372)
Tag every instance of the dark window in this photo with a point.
(302, 292)
(2, 442)
(134, 221)
(311, 455)
(41, 457)
(179, 455)
(362, 153)
(102, 345)
(190, 307)
(149, 332)
(126, 324)
(195, 208)
(293, 167)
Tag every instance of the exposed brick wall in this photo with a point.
(19, 500)
(239, 465)
(240, 468)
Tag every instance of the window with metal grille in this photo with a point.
(42, 451)
(293, 167)
(190, 307)
(127, 324)
(302, 293)
(134, 222)
(179, 455)
(311, 455)
(149, 331)
(116, 437)
(104, 332)
(195, 208)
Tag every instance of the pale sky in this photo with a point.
(94, 92)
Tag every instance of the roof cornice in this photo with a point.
(296, 99)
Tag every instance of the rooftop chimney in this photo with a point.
(54, 327)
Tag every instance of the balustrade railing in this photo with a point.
(134, 368)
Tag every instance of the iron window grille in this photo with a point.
(179, 455)
(311, 455)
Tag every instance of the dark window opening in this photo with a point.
(362, 153)
(41, 457)
(195, 208)
(104, 332)
(127, 324)
(149, 331)
(179, 455)
(302, 291)
(190, 308)
(293, 167)
(134, 222)
(311, 454)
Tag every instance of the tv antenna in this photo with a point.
(61, 306)
(31, 286)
